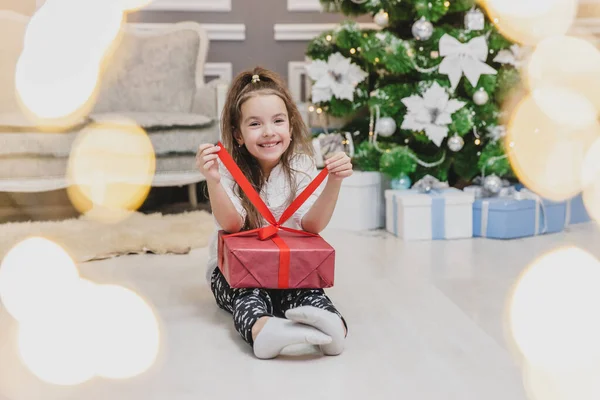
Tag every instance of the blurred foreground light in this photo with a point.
(35, 275)
(553, 312)
(55, 90)
(111, 169)
(131, 5)
(58, 347)
(530, 21)
(568, 62)
(127, 331)
(591, 181)
(522, 8)
(551, 131)
(547, 384)
(73, 30)
(65, 45)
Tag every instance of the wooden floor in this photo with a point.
(425, 318)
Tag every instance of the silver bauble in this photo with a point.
(481, 97)
(422, 29)
(492, 184)
(474, 20)
(382, 19)
(456, 143)
(359, 1)
(385, 126)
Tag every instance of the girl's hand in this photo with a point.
(339, 166)
(206, 161)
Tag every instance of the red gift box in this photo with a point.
(274, 257)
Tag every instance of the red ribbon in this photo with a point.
(270, 231)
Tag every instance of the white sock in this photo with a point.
(327, 322)
(279, 333)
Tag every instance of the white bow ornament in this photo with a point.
(464, 58)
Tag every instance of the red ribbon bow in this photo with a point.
(270, 231)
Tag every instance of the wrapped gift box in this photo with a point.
(439, 214)
(576, 211)
(274, 256)
(361, 204)
(248, 262)
(511, 217)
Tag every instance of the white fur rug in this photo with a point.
(87, 240)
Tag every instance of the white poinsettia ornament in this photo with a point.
(337, 77)
(431, 113)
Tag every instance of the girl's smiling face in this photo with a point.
(265, 129)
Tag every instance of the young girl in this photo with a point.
(263, 131)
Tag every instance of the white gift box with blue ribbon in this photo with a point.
(438, 214)
(521, 214)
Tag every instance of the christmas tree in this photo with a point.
(425, 90)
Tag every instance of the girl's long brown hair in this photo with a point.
(242, 88)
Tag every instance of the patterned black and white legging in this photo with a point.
(248, 305)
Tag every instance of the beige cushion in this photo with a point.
(24, 167)
(153, 121)
(17, 122)
(12, 32)
(151, 73)
(182, 141)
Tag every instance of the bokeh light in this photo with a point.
(64, 47)
(553, 312)
(56, 90)
(523, 8)
(71, 329)
(546, 384)
(58, 346)
(75, 29)
(131, 5)
(128, 333)
(591, 181)
(551, 130)
(530, 21)
(569, 62)
(35, 276)
(111, 168)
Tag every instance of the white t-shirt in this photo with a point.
(275, 194)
